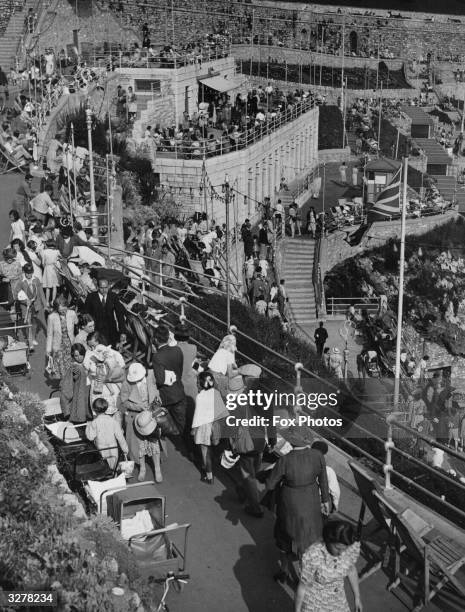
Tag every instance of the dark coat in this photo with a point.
(169, 358)
(110, 320)
(298, 478)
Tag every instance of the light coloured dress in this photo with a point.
(50, 259)
(323, 576)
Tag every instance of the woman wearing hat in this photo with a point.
(182, 335)
(60, 335)
(298, 478)
(209, 410)
(150, 444)
(248, 442)
(223, 363)
(106, 373)
(138, 392)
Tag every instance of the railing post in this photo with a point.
(298, 384)
(388, 446)
(182, 316)
(160, 265)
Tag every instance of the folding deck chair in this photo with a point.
(436, 557)
(9, 164)
(371, 499)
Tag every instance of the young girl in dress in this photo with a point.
(50, 280)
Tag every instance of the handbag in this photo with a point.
(165, 422)
(50, 368)
(229, 459)
(126, 467)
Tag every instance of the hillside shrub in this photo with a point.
(43, 545)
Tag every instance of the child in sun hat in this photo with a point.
(145, 426)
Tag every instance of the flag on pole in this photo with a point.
(387, 204)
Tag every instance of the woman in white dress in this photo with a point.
(223, 363)
(50, 280)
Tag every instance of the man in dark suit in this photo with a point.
(167, 366)
(108, 312)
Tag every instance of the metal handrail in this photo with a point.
(159, 261)
(317, 279)
(388, 446)
(340, 305)
(186, 150)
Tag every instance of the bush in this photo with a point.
(424, 298)
(43, 545)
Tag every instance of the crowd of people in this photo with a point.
(242, 24)
(222, 125)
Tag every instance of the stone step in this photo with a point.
(304, 302)
(290, 252)
(301, 299)
(305, 262)
(301, 286)
(292, 275)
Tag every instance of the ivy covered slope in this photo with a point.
(44, 545)
(434, 300)
(267, 331)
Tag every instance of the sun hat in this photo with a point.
(251, 370)
(144, 423)
(112, 409)
(136, 372)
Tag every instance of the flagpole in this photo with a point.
(401, 287)
(380, 110)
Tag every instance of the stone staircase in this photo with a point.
(147, 108)
(10, 39)
(297, 270)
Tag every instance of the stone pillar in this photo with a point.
(264, 171)
(116, 217)
(270, 189)
(258, 183)
(303, 165)
(250, 203)
(279, 164)
(276, 169)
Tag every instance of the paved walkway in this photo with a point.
(338, 334)
(231, 556)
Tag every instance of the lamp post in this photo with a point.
(93, 206)
(226, 189)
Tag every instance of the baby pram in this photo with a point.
(139, 511)
(78, 459)
(16, 354)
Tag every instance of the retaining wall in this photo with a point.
(335, 249)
